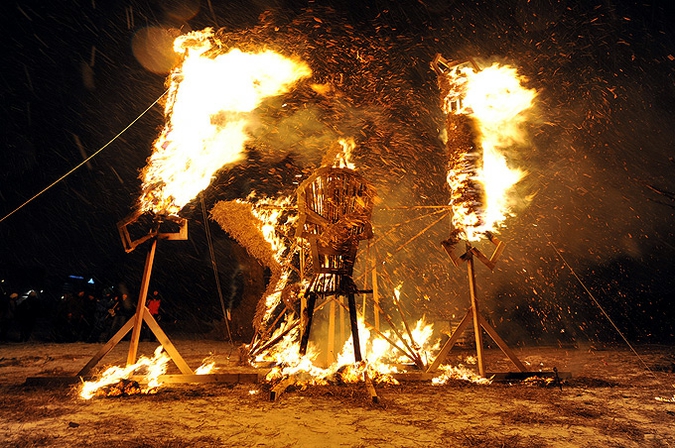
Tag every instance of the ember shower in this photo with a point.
(363, 81)
(603, 71)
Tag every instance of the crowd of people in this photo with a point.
(79, 314)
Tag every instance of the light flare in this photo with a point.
(211, 96)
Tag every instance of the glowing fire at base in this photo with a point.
(149, 368)
(117, 381)
(490, 103)
(382, 360)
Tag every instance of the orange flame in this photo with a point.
(343, 158)
(497, 101)
(148, 369)
(153, 368)
(211, 96)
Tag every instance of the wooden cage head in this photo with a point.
(335, 206)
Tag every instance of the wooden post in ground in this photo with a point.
(376, 297)
(343, 322)
(140, 304)
(475, 314)
(330, 351)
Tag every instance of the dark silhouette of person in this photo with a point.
(26, 314)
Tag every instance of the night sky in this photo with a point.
(598, 200)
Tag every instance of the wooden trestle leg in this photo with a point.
(135, 323)
(311, 301)
(353, 320)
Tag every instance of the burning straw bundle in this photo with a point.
(465, 157)
(237, 219)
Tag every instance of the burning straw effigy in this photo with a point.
(205, 130)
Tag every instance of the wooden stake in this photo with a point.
(475, 314)
(376, 296)
(370, 387)
(140, 304)
(330, 351)
(280, 387)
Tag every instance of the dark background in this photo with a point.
(599, 197)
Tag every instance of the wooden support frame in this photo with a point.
(135, 323)
(473, 313)
(142, 315)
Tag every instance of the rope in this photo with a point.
(214, 265)
(84, 162)
(590, 294)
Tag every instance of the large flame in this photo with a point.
(497, 101)
(211, 96)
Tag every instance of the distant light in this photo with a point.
(91, 281)
(76, 277)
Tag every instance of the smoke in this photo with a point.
(605, 76)
(581, 193)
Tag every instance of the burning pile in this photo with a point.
(262, 226)
(211, 95)
(115, 381)
(485, 110)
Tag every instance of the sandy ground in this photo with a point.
(610, 401)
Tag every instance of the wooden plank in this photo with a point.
(500, 342)
(226, 378)
(370, 388)
(140, 304)
(281, 387)
(520, 376)
(376, 295)
(451, 342)
(52, 381)
(107, 347)
(498, 250)
(166, 343)
(414, 376)
(330, 349)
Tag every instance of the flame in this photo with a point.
(497, 101)
(208, 366)
(211, 96)
(382, 360)
(458, 373)
(343, 158)
(153, 367)
(274, 223)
